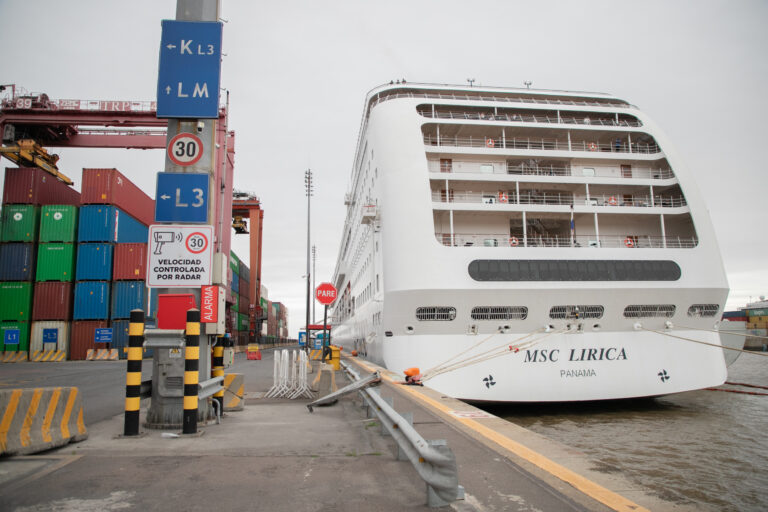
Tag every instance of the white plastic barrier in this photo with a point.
(289, 379)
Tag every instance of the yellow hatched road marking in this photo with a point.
(10, 412)
(583, 484)
(24, 435)
(48, 419)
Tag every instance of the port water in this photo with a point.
(705, 449)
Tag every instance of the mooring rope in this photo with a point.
(706, 343)
(492, 353)
(736, 333)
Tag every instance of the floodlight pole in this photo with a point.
(308, 185)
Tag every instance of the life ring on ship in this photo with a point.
(489, 143)
(592, 146)
(629, 242)
(513, 242)
(503, 197)
(613, 201)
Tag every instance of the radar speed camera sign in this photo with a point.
(179, 256)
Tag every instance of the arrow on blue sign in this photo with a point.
(181, 198)
(190, 69)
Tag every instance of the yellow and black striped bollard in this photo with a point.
(191, 372)
(217, 370)
(133, 374)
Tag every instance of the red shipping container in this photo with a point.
(81, 337)
(130, 262)
(245, 288)
(109, 186)
(53, 301)
(26, 185)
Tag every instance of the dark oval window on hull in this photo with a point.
(574, 270)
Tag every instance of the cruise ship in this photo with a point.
(526, 245)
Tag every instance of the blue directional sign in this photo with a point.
(50, 336)
(302, 338)
(103, 335)
(181, 198)
(190, 69)
(12, 336)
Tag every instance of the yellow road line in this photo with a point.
(586, 486)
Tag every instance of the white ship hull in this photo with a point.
(451, 251)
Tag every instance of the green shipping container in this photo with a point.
(20, 222)
(242, 322)
(16, 301)
(58, 223)
(234, 262)
(16, 331)
(55, 262)
(757, 312)
(236, 304)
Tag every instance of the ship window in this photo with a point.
(436, 313)
(499, 313)
(574, 270)
(703, 310)
(486, 168)
(576, 312)
(650, 311)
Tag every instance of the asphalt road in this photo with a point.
(102, 383)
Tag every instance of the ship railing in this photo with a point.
(384, 96)
(524, 118)
(433, 460)
(545, 144)
(576, 241)
(557, 198)
(525, 169)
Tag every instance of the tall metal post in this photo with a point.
(191, 371)
(314, 272)
(308, 183)
(133, 373)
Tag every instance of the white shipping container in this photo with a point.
(55, 331)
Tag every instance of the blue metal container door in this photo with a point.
(103, 223)
(126, 296)
(94, 262)
(17, 262)
(91, 300)
(120, 337)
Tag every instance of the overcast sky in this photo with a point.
(298, 72)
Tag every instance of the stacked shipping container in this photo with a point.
(111, 257)
(35, 206)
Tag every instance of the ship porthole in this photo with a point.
(409, 329)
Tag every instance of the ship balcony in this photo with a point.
(594, 145)
(520, 115)
(548, 169)
(576, 241)
(558, 199)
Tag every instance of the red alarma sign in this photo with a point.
(325, 293)
(209, 304)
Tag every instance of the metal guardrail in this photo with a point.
(433, 459)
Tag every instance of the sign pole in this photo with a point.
(326, 345)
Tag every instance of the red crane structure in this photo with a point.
(31, 122)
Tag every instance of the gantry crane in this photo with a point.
(29, 122)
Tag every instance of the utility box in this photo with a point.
(172, 310)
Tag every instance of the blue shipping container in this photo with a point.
(94, 262)
(91, 300)
(152, 306)
(17, 262)
(104, 223)
(236, 284)
(120, 339)
(126, 296)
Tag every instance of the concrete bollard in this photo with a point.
(191, 372)
(234, 386)
(37, 419)
(133, 373)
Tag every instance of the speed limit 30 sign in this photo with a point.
(185, 149)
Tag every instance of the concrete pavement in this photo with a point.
(274, 455)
